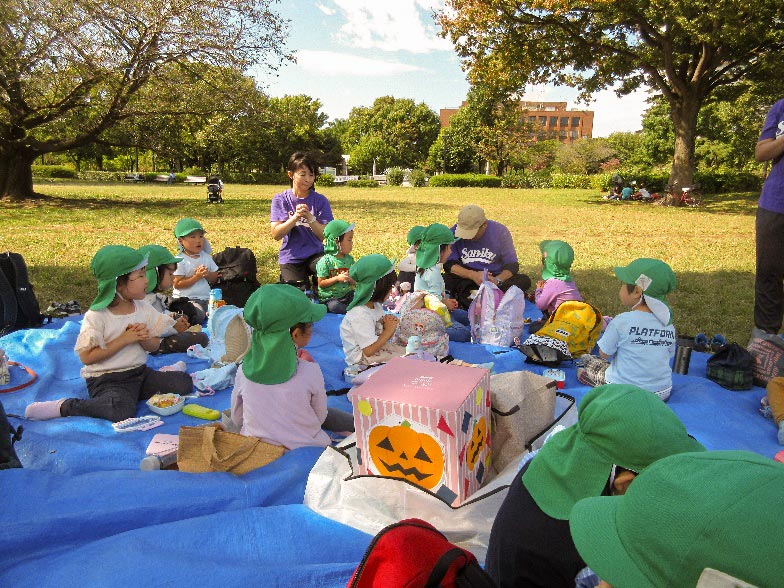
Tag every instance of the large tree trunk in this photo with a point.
(16, 173)
(683, 112)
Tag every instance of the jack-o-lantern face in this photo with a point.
(477, 443)
(402, 452)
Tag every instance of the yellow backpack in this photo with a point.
(575, 324)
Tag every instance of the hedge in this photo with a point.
(395, 176)
(326, 180)
(362, 184)
(417, 178)
(53, 171)
(465, 181)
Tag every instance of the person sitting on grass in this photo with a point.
(557, 284)
(335, 286)
(197, 271)
(279, 397)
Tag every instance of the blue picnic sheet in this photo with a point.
(81, 512)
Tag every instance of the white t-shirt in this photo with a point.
(642, 347)
(288, 414)
(431, 281)
(101, 326)
(187, 267)
(360, 328)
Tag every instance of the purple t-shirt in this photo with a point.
(492, 252)
(772, 197)
(554, 292)
(300, 243)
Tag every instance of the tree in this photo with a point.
(683, 49)
(86, 61)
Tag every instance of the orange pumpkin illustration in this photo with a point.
(476, 443)
(402, 452)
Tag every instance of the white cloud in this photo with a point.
(331, 63)
(403, 25)
(325, 9)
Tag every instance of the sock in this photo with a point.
(781, 433)
(43, 411)
(175, 367)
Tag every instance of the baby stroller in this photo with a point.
(214, 190)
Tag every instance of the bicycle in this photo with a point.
(686, 196)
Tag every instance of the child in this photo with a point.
(301, 334)
(620, 431)
(407, 266)
(642, 340)
(435, 247)
(335, 286)
(557, 284)
(117, 333)
(366, 330)
(197, 271)
(160, 269)
(277, 396)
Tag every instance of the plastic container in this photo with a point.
(158, 462)
(167, 410)
(683, 349)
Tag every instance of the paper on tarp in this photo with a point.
(370, 503)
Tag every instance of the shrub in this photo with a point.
(395, 176)
(716, 182)
(363, 183)
(515, 179)
(465, 181)
(276, 178)
(102, 176)
(416, 178)
(559, 180)
(326, 180)
(54, 171)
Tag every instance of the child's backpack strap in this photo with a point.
(8, 307)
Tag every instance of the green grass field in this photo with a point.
(711, 249)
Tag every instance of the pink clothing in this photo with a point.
(288, 414)
(554, 292)
(303, 354)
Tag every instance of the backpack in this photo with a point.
(427, 324)
(496, 317)
(731, 367)
(571, 331)
(414, 554)
(237, 267)
(768, 353)
(8, 436)
(18, 306)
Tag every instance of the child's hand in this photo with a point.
(389, 323)
(539, 284)
(181, 324)
(136, 332)
(451, 303)
(201, 271)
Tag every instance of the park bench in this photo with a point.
(381, 179)
(195, 180)
(162, 178)
(134, 178)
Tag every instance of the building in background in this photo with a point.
(554, 120)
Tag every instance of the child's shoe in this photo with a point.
(781, 433)
(717, 342)
(44, 411)
(765, 409)
(701, 342)
(175, 367)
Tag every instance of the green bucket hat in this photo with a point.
(108, 264)
(617, 424)
(272, 310)
(719, 509)
(414, 234)
(333, 230)
(656, 279)
(366, 271)
(185, 226)
(558, 257)
(432, 238)
(156, 255)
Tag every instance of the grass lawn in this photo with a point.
(711, 249)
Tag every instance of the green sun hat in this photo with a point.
(108, 264)
(333, 231)
(272, 310)
(718, 510)
(366, 271)
(156, 255)
(185, 226)
(432, 238)
(558, 257)
(656, 279)
(617, 424)
(414, 234)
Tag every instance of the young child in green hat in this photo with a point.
(366, 330)
(711, 519)
(620, 431)
(277, 396)
(118, 331)
(160, 270)
(335, 286)
(557, 284)
(640, 342)
(406, 267)
(197, 271)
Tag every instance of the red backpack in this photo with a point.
(414, 554)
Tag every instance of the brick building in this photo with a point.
(554, 119)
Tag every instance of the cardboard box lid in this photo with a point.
(422, 383)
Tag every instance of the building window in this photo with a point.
(553, 121)
(562, 134)
(543, 120)
(564, 121)
(575, 121)
(574, 134)
(532, 119)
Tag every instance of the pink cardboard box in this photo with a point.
(428, 423)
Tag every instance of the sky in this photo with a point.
(350, 52)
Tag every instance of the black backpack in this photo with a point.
(237, 267)
(8, 436)
(18, 306)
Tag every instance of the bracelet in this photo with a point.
(313, 220)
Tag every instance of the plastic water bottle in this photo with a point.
(216, 298)
(158, 462)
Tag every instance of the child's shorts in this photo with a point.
(594, 371)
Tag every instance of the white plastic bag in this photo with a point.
(496, 317)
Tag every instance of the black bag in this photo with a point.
(732, 367)
(8, 436)
(237, 268)
(184, 306)
(18, 306)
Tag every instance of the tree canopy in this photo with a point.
(71, 69)
(683, 49)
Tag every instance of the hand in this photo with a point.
(201, 271)
(303, 211)
(389, 323)
(539, 284)
(451, 303)
(477, 277)
(181, 324)
(136, 332)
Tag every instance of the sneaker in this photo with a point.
(717, 342)
(765, 409)
(701, 342)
